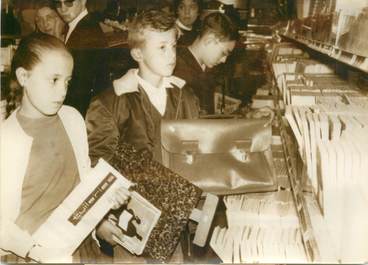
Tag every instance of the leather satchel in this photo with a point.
(220, 156)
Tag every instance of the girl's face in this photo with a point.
(188, 12)
(46, 84)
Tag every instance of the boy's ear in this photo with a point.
(22, 75)
(136, 54)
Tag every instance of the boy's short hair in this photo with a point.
(154, 20)
(221, 26)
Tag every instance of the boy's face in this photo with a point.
(158, 54)
(46, 84)
(216, 51)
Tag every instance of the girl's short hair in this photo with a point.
(28, 54)
(221, 26)
(154, 20)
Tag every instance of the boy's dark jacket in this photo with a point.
(201, 82)
(125, 114)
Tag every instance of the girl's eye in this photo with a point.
(162, 47)
(54, 80)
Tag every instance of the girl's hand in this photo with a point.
(48, 255)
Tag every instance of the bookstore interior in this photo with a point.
(273, 169)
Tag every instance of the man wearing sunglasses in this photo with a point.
(85, 38)
(84, 30)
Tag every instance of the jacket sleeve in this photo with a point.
(103, 129)
(190, 104)
(12, 237)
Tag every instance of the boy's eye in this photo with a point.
(162, 47)
(54, 80)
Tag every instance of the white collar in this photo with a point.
(156, 95)
(182, 26)
(128, 83)
(203, 66)
(75, 22)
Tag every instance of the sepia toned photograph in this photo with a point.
(184, 132)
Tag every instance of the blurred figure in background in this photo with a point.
(48, 21)
(187, 23)
(87, 42)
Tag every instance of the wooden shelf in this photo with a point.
(353, 60)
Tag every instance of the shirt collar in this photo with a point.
(203, 66)
(75, 22)
(128, 83)
(182, 26)
(147, 86)
(156, 95)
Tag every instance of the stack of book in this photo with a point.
(261, 228)
(334, 147)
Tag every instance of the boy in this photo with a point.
(216, 40)
(132, 111)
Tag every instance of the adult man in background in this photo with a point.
(85, 38)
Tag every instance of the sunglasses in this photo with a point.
(67, 3)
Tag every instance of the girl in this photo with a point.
(44, 149)
(188, 12)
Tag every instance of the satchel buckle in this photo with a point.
(240, 150)
(190, 147)
(240, 154)
(189, 158)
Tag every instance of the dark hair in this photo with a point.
(198, 2)
(221, 26)
(27, 55)
(43, 3)
(153, 19)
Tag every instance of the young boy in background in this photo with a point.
(216, 40)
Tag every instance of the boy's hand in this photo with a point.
(107, 229)
(120, 198)
(265, 112)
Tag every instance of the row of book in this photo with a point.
(334, 148)
(305, 82)
(272, 210)
(328, 117)
(262, 228)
